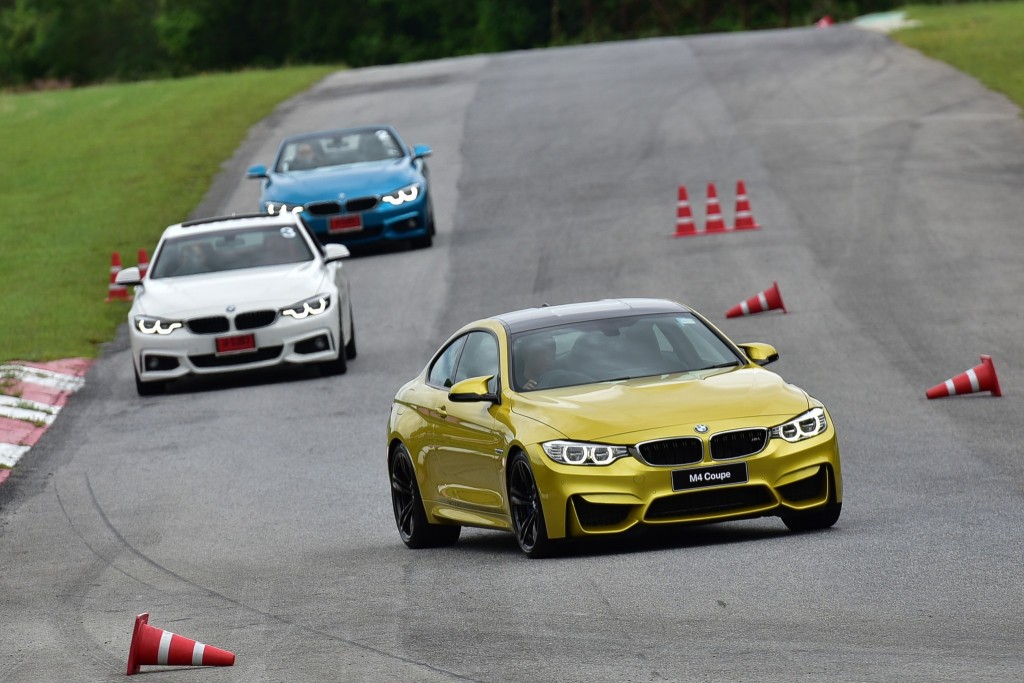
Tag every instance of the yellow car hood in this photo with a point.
(602, 411)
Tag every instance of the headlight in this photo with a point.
(811, 423)
(577, 453)
(147, 324)
(282, 208)
(314, 306)
(399, 197)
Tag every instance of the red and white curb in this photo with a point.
(31, 397)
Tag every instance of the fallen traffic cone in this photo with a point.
(684, 218)
(744, 218)
(981, 377)
(143, 263)
(767, 300)
(116, 292)
(152, 645)
(714, 222)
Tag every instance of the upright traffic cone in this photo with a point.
(684, 218)
(116, 292)
(744, 218)
(767, 300)
(713, 222)
(152, 645)
(143, 263)
(981, 377)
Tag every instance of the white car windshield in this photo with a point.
(211, 252)
(615, 349)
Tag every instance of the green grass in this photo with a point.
(984, 39)
(91, 171)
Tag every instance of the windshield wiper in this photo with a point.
(730, 364)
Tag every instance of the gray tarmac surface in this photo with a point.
(253, 513)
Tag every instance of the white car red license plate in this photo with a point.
(239, 343)
(348, 223)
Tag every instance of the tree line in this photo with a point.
(76, 42)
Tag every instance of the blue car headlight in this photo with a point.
(282, 207)
(399, 197)
(812, 423)
(312, 306)
(148, 324)
(580, 453)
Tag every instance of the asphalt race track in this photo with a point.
(253, 513)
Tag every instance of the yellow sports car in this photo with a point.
(593, 418)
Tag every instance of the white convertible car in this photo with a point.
(238, 293)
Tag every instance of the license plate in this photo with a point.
(237, 344)
(709, 476)
(351, 223)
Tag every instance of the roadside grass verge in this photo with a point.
(90, 171)
(983, 39)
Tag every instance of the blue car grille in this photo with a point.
(353, 205)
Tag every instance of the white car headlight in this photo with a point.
(282, 208)
(811, 423)
(312, 306)
(399, 197)
(578, 453)
(148, 324)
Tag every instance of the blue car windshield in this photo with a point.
(212, 252)
(336, 149)
(615, 349)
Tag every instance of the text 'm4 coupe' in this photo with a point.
(238, 293)
(593, 418)
(353, 185)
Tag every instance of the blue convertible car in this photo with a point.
(355, 185)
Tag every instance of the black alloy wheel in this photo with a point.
(524, 504)
(410, 517)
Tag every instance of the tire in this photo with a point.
(148, 388)
(350, 348)
(524, 505)
(338, 366)
(427, 240)
(818, 518)
(410, 517)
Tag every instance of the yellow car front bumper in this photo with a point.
(597, 500)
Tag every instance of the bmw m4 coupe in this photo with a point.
(590, 419)
(238, 293)
(357, 186)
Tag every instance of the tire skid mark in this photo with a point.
(232, 601)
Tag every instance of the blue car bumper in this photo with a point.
(381, 224)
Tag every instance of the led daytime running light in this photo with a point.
(314, 306)
(282, 209)
(406, 194)
(577, 453)
(156, 325)
(810, 424)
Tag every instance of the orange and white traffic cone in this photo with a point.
(143, 263)
(768, 300)
(981, 377)
(744, 218)
(684, 218)
(713, 222)
(116, 292)
(151, 645)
